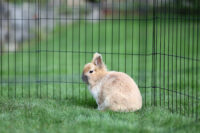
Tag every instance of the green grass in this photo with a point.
(126, 46)
(40, 115)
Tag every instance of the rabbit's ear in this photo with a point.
(97, 60)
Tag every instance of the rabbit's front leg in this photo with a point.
(104, 105)
(101, 107)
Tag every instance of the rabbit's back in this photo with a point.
(118, 81)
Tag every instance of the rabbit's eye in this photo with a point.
(91, 71)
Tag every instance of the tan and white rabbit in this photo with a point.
(112, 90)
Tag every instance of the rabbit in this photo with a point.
(115, 91)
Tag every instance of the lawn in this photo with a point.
(41, 115)
(46, 72)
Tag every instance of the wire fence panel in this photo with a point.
(45, 44)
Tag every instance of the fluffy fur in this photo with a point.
(112, 90)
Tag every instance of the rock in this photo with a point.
(94, 14)
(21, 22)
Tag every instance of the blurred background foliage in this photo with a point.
(180, 6)
(89, 10)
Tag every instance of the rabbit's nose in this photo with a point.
(85, 79)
